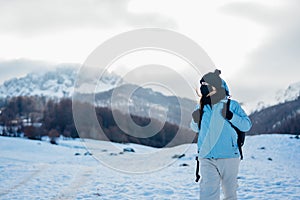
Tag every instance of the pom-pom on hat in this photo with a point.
(213, 79)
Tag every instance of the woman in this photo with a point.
(217, 139)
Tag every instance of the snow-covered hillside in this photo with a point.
(39, 170)
(57, 83)
(289, 94)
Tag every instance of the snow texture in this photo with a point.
(38, 170)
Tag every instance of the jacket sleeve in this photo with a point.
(193, 124)
(240, 118)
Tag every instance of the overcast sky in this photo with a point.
(255, 43)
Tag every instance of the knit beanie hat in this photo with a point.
(213, 79)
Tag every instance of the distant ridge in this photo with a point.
(57, 83)
(280, 118)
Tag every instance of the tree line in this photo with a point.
(36, 117)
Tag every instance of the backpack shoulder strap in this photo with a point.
(228, 104)
(241, 134)
(200, 114)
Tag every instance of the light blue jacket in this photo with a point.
(216, 137)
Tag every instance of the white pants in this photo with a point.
(216, 171)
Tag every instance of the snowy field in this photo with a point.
(38, 170)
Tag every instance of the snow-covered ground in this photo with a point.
(38, 170)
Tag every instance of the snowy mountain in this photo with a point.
(283, 117)
(292, 92)
(289, 94)
(58, 83)
(143, 102)
(280, 118)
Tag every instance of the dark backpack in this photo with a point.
(240, 134)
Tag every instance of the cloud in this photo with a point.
(275, 63)
(33, 17)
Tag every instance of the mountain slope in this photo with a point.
(289, 94)
(58, 83)
(145, 102)
(281, 118)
